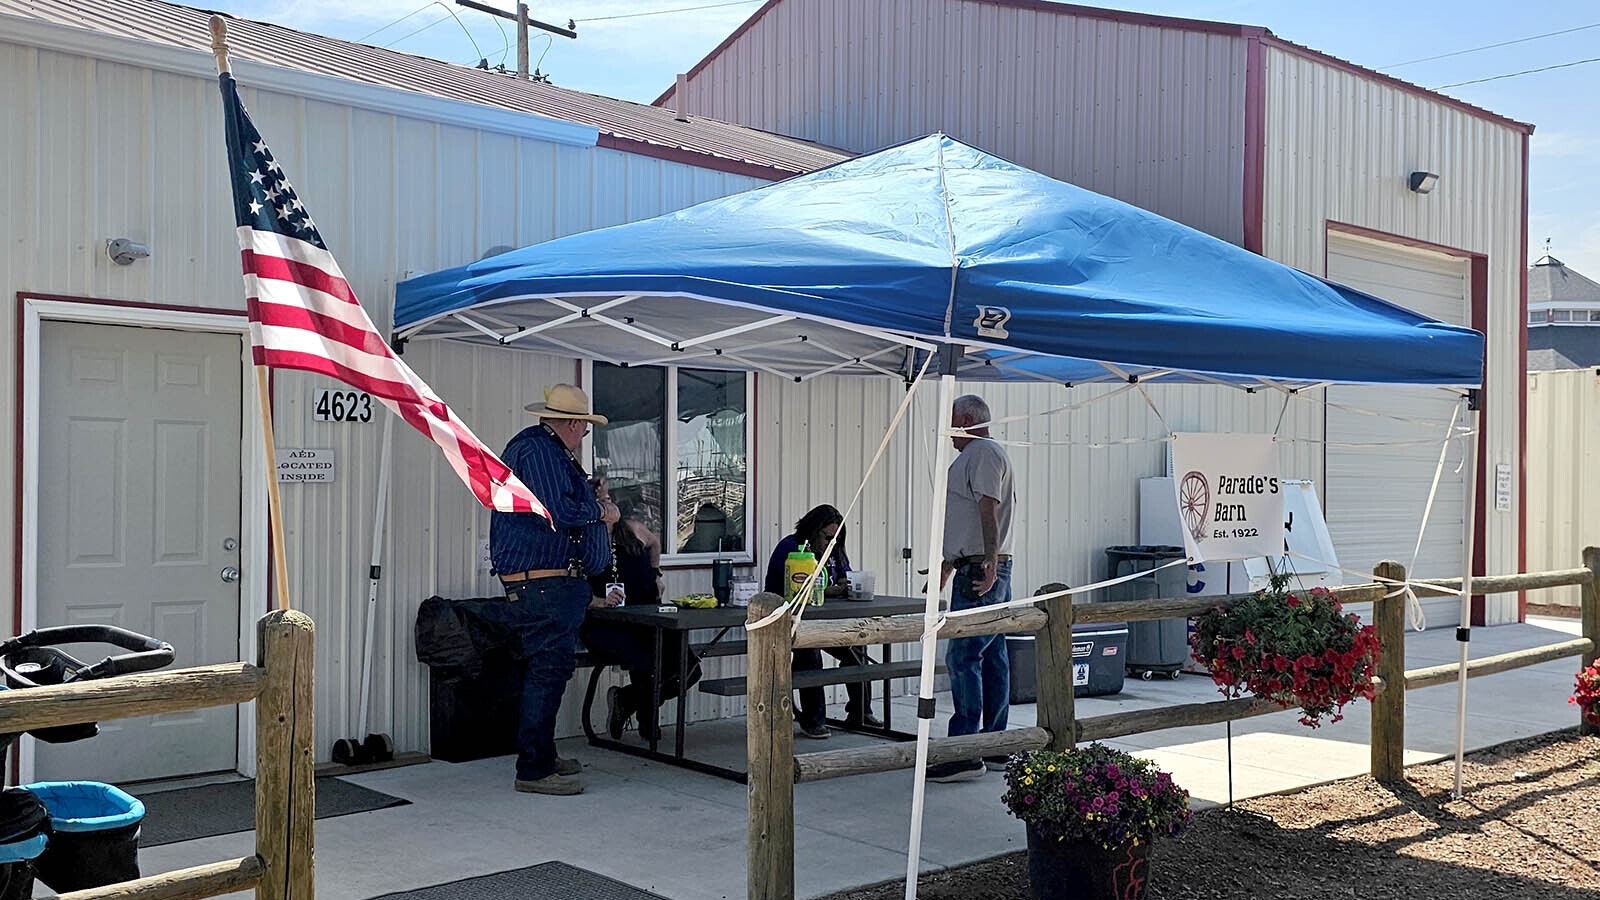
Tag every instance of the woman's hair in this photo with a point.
(818, 518)
(624, 540)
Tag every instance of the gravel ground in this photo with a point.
(1527, 826)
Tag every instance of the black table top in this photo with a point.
(725, 616)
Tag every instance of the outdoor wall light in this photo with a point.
(123, 251)
(1422, 182)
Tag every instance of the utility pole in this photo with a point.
(522, 20)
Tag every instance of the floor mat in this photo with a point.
(211, 809)
(546, 881)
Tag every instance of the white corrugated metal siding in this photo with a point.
(1563, 494)
(1338, 148)
(1147, 114)
(110, 149)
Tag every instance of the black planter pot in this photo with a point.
(1077, 870)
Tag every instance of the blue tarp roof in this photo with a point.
(933, 242)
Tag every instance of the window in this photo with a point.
(674, 452)
(1538, 317)
(1563, 315)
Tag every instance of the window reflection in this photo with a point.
(710, 461)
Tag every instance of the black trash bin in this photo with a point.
(24, 831)
(95, 834)
(474, 680)
(1158, 646)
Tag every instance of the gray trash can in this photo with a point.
(1160, 646)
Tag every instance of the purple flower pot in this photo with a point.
(1078, 870)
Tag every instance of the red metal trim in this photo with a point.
(696, 158)
(1255, 149)
(1064, 9)
(1522, 379)
(1279, 43)
(125, 304)
(1402, 240)
(1479, 273)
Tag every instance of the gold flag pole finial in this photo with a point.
(219, 44)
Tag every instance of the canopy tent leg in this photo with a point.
(374, 574)
(930, 616)
(1464, 627)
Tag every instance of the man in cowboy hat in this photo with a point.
(544, 567)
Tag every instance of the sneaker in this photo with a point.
(865, 720)
(554, 783)
(617, 713)
(568, 766)
(815, 732)
(995, 763)
(959, 770)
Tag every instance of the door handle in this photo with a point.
(230, 574)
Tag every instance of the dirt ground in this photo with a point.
(1527, 826)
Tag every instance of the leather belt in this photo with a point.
(978, 560)
(531, 574)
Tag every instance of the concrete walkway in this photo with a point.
(681, 834)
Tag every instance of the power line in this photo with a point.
(1491, 46)
(363, 38)
(1515, 74)
(663, 12)
(418, 31)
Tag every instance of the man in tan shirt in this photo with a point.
(980, 496)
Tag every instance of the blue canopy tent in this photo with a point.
(871, 264)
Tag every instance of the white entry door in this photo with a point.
(1376, 495)
(139, 524)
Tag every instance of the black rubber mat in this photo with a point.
(210, 809)
(546, 881)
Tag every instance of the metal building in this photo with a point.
(1332, 168)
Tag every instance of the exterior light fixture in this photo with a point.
(1422, 182)
(123, 251)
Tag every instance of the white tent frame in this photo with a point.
(723, 343)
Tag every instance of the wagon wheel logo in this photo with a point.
(1194, 498)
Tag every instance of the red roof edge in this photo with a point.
(1273, 40)
(694, 158)
(1066, 9)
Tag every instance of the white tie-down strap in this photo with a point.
(1414, 613)
(883, 445)
(1029, 601)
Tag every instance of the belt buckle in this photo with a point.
(574, 569)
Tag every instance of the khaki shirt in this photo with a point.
(980, 470)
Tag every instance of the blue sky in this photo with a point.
(637, 56)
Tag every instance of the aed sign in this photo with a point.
(306, 466)
(1229, 495)
(341, 406)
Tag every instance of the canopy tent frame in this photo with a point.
(1153, 306)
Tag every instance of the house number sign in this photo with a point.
(341, 406)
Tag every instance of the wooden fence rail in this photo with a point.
(772, 776)
(282, 686)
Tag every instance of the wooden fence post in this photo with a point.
(285, 756)
(1052, 662)
(769, 733)
(1591, 619)
(1389, 706)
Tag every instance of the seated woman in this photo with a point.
(813, 532)
(636, 555)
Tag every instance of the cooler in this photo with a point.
(1097, 654)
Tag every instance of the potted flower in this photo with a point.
(1586, 694)
(1091, 814)
(1293, 649)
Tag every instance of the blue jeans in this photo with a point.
(544, 614)
(980, 670)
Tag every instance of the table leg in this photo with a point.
(683, 690)
(650, 718)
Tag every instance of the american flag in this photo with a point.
(303, 314)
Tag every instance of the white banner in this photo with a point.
(1229, 496)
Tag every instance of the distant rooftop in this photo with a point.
(623, 125)
(1550, 281)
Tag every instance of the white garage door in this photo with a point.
(1376, 495)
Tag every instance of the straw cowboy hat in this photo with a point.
(565, 401)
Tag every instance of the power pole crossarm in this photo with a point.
(522, 20)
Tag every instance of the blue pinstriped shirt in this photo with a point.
(519, 542)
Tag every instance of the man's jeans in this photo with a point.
(980, 670)
(544, 614)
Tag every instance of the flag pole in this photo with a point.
(219, 47)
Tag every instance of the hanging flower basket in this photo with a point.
(1586, 694)
(1295, 650)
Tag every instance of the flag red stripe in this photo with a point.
(290, 316)
(268, 266)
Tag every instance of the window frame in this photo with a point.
(669, 492)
